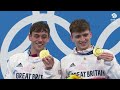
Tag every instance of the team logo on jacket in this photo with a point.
(72, 65)
(19, 65)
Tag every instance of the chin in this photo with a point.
(84, 47)
(39, 49)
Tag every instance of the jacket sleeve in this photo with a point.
(63, 69)
(112, 69)
(53, 73)
(13, 60)
(9, 74)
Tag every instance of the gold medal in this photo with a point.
(44, 53)
(97, 51)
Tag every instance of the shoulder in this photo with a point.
(17, 57)
(56, 60)
(68, 57)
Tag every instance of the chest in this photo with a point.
(29, 69)
(86, 66)
(87, 61)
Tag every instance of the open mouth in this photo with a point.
(39, 44)
(83, 44)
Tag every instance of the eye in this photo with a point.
(44, 36)
(77, 36)
(36, 36)
(85, 35)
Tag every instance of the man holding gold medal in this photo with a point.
(88, 61)
(35, 63)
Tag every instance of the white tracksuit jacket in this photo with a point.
(23, 66)
(88, 67)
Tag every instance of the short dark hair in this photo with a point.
(39, 27)
(79, 25)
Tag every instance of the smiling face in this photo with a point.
(82, 40)
(38, 40)
(39, 36)
(80, 34)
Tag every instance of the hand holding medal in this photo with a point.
(47, 59)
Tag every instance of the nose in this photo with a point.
(82, 38)
(40, 39)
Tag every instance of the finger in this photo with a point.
(50, 59)
(106, 57)
(107, 54)
(45, 61)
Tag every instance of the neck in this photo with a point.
(34, 52)
(82, 49)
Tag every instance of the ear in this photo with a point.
(48, 39)
(30, 37)
(71, 38)
(90, 34)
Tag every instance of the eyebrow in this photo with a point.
(83, 34)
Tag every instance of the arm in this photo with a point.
(63, 69)
(8, 74)
(11, 64)
(54, 72)
(112, 67)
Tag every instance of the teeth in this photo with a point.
(82, 42)
(38, 44)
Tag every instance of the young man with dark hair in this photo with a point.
(86, 61)
(28, 65)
